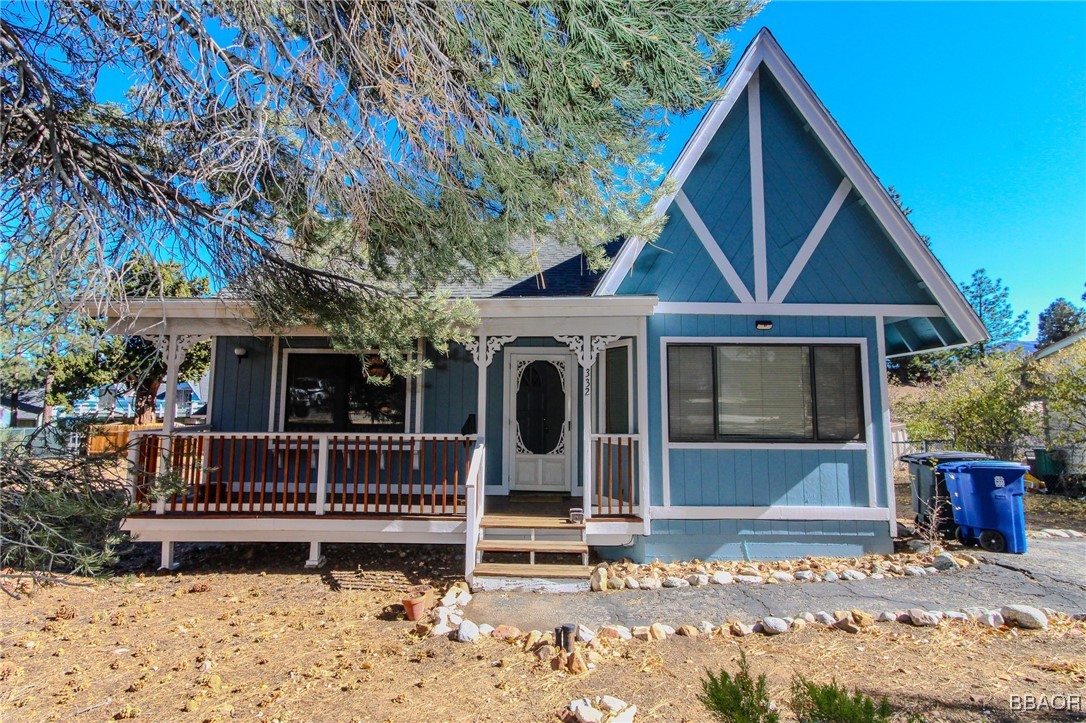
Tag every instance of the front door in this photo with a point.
(539, 420)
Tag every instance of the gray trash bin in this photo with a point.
(928, 485)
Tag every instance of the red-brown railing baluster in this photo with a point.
(366, 480)
(444, 473)
(630, 479)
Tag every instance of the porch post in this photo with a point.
(586, 426)
(643, 418)
(174, 356)
(480, 401)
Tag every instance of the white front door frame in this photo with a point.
(512, 353)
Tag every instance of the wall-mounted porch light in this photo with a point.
(240, 352)
(763, 324)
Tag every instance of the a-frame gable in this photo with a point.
(822, 229)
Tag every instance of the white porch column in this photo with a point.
(642, 347)
(480, 398)
(174, 356)
(586, 427)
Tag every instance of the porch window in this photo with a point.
(328, 392)
(773, 392)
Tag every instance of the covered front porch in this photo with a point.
(542, 412)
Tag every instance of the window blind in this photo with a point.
(690, 392)
(764, 392)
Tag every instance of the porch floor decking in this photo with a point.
(539, 507)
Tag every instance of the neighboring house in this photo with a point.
(718, 393)
(29, 409)
(1071, 459)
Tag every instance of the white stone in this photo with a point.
(853, 575)
(650, 583)
(992, 619)
(931, 569)
(750, 579)
(668, 630)
(675, 582)
(783, 576)
(599, 581)
(450, 597)
(463, 598)
(585, 634)
(632, 583)
(831, 576)
(626, 716)
(1055, 532)
(468, 632)
(915, 571)
(774, 626)
(615, 632)
(878, 576)
(955, 615)
(1076, 533)
(1024, 616)
(611, 704)
(440, 629)
(697, 580)
(825, 618)
(973, 613)
(485, 629)
(806, 576)
(809, 617)
(722, 578)
(706, 627)
(885, 617)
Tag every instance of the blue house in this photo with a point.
(719, 393)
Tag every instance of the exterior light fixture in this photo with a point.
(240, 352)
(763, 324)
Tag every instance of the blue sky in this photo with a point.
(974, 111)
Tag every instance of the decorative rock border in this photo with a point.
(923, 560)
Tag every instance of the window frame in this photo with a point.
(738, 441)
(412, 392)
(599, 387)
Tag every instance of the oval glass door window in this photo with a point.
(541, 408)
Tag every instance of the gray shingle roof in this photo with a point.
(563, 271)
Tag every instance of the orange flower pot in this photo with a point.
(417, 604)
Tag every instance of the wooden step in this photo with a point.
(502, 569)
(570, 546)
(511, 522)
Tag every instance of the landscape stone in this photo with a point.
(783, 576)
(885, 617)
(615, 632)
(585, 634)
(468, 632)
(798, 623)
(658, 631)
(945, 561)
(853, 575)
(722, 578)
(505, 632)
(878, 576)
(1024, 616)
(915, 571)
(487, 629)
(750, 579)
(641, 632)
(611, 704)
(806, 576)
(588, 714)
(698, 580)
(687, 631)
(675, 582)
(863, 619)
(931, 569)
(440, 629)
(825, 618)
(847, 625)
(774, 625)
(830, 576)
(922, 618)
(531, 639)
(955, 615)
(577, 665)
(741, 630)
(809, 617)
(650, 583)
(463, 598)
(752, 571)
(599, 581)
(973, 613)
(545, 652)
(632, 583)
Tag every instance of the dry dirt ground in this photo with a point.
(243, 633)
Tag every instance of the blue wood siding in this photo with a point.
(241, 388)
(753, 540)
(450, 390)
(761, 477)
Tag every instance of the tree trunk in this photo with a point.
(47, 408)
(14, 408)
(146, 391)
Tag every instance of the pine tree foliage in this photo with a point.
(341, 158)
(1057, 322)
(740, 698)
(990, 298)
(830, 703)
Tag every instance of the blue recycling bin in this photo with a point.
(987, 501)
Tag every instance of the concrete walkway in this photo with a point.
(1052, 574)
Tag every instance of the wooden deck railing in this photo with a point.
(207, 473)
(616, 467)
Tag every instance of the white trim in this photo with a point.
(208, 403)
(295, 529)
(713, 248)
(599, 385)
(316, 350)
(778, 512)
(887, 444)
(666, 445)
(573, 390)
(1059, 345)
(274, 383)
(764, 49)
(811, 243)
(757, 188)
(643, 422)
(834, 446)
(732, 309)
(419, 395)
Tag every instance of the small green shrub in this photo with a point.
(830, 703)
(740, 699)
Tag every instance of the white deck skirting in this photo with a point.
(295, 529)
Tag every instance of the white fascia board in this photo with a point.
(764, 49)
(840, 148)
(688, 159)
(1060, 345)
(731, 308)
(781, 512)
(565, 306)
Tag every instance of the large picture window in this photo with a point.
(330, 393)
(771, 392)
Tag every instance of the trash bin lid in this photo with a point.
(938, 457)
(967, 465)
